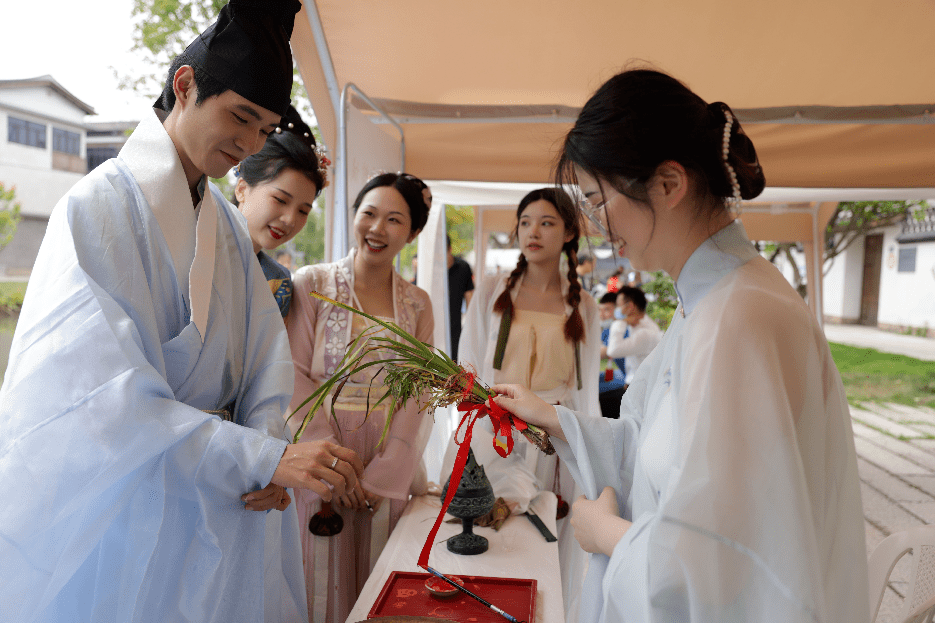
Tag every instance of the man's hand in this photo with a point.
(319, 466)
(270, 496)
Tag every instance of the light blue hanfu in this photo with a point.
(121, 494)
(734, 459)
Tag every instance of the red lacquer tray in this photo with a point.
(405, 594)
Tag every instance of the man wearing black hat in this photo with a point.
(141, 413)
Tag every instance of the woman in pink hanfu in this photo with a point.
(389, 213)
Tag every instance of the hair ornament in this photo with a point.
(734, 201)
(323, 164)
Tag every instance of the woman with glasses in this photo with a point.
(728, 488)
(537, 327)
(390, 211)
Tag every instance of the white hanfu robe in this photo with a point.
(734, 459)
(526, 470)
(121, 494)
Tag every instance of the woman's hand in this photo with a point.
(527, 406)
(312, 465)
(353, 499)
(597, 524)
(375, 501)
(270, 496)
(358, 499)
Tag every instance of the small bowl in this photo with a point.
(437, 587)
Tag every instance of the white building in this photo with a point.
(42, 154)
(887, 278)
(105, 139)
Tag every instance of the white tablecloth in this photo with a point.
(518, 550)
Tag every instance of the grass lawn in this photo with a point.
(872, 376)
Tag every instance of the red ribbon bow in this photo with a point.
(502, 422)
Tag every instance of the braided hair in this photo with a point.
(574, 325)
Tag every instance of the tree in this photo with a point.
(851, 220)
(662, 300)
(310, 242)
(854, 219)
(460, 228)
(9, 214)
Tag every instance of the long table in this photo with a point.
(517, 550)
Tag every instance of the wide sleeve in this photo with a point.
(588, 401)
(472, 347)
(267, 384)
(759, 517)
(390, 472)
(302, 325)
(90, 431)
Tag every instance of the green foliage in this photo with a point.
(460, 222)
(661, 289)
(11, 295)
(872, 376)
(9, 214)
(460, 228)
(225, 185)
(311, 240)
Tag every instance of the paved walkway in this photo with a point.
(884, 341)
(895, 456)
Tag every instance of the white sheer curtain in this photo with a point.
(432, 276)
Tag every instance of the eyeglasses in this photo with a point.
(597, 215)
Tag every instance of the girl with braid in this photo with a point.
(728, 489)
(536, 327)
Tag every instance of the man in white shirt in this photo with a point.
(644, 333)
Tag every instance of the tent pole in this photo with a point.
(331, 84)
(818, 257)
(340, 232)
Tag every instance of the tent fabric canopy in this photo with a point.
(833, 94)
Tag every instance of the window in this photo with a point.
(100, 155)
(907, 260)
(25, 132)
(66, 142)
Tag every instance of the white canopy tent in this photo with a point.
(836, 95)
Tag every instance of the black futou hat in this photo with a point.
(247, 50)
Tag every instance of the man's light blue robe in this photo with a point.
(121, 495)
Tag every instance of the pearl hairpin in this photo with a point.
(734, 201)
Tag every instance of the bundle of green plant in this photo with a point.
(414, 370)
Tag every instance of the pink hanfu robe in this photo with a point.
(336, 567)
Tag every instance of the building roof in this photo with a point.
(51, 82)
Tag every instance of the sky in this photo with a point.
(79, 44)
